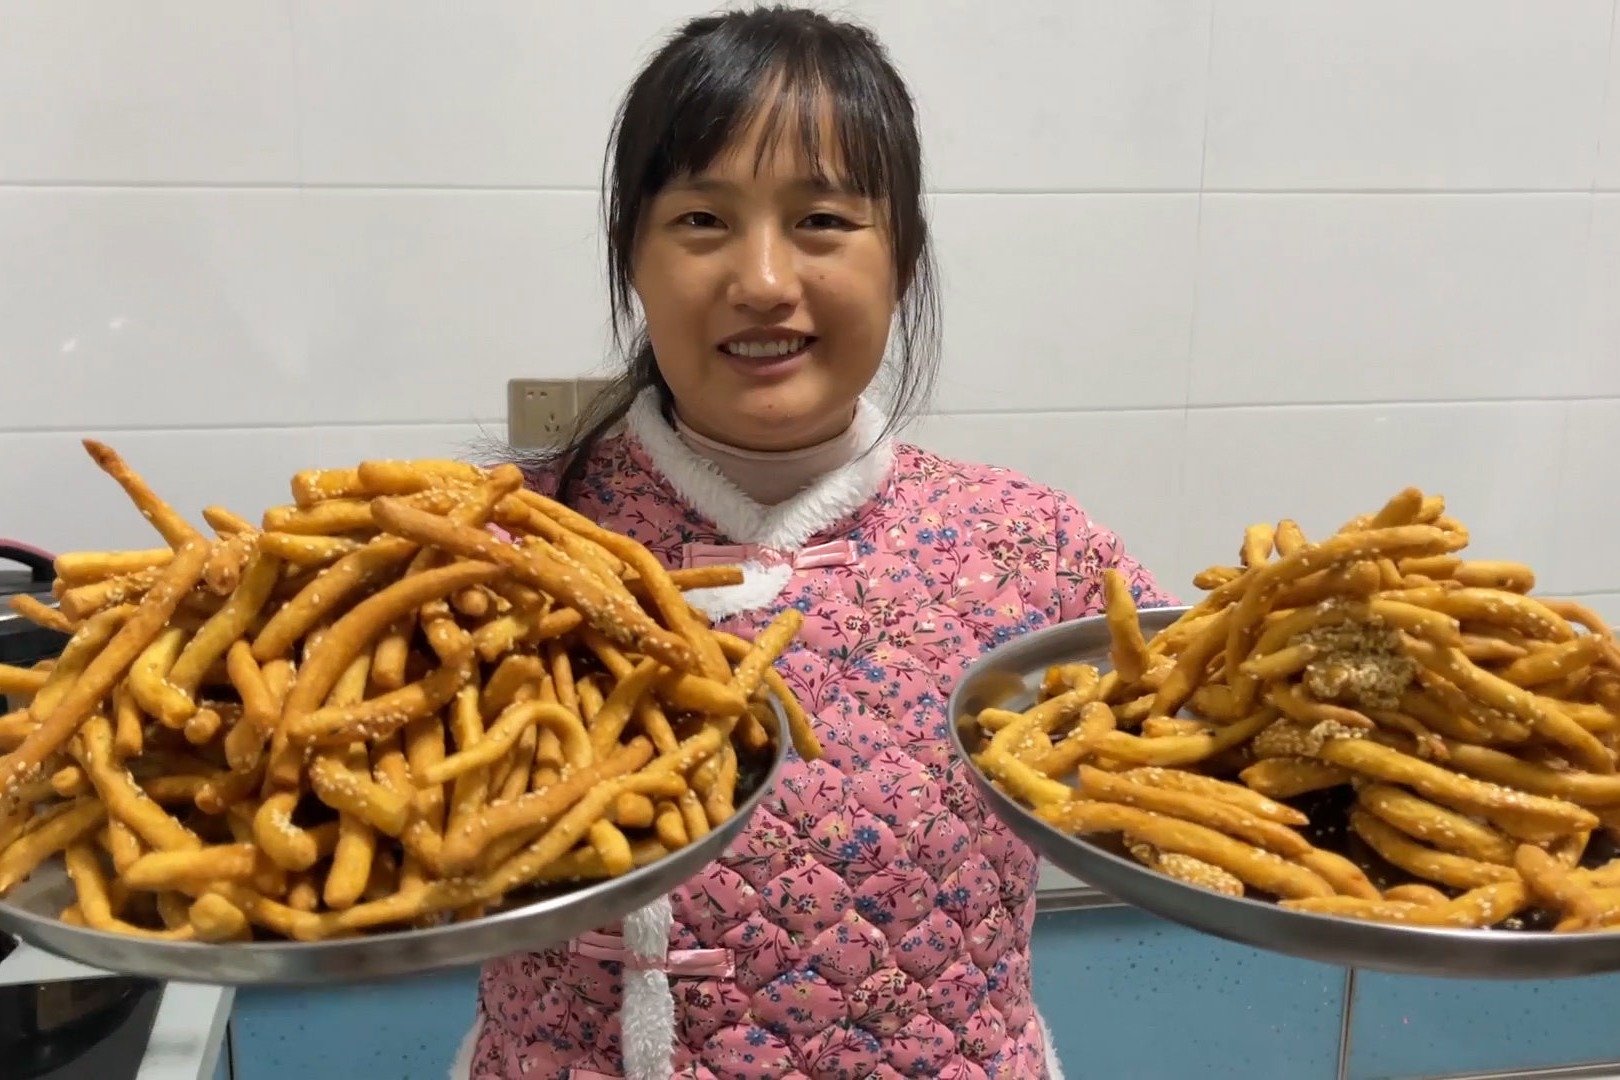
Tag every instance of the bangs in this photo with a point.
(794, 79)
(789, 98)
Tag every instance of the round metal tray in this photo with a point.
(1008, 677)
(528, 920)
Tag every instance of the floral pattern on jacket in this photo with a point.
(876, 916)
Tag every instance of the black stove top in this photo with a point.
(109, 1047)
(106, 1043)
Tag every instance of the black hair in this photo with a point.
(707, 83)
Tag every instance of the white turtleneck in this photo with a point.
(771, 477)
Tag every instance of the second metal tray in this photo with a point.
(527, 922)
(1007, 677)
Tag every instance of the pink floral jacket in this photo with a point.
(874, 920)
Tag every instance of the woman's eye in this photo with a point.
(698, 219)
(825, 220)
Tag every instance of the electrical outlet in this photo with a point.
(540, 412)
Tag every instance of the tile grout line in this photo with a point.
(446, 187)
(1341, 406)
(940, 414)
(1183, 464)
(1346, 1015)
(189, 429)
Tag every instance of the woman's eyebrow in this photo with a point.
(702, 185)
(808, 184)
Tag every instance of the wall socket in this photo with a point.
(541, 413)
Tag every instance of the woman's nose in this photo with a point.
(765, 276)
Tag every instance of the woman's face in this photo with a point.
(768, 296)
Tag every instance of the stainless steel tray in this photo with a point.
(1008, 677)
(528, 921)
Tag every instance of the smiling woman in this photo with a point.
(764, 185)
(765, 239)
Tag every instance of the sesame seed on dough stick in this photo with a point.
(106, 669)
(1264, 583)
(1255, 866)
(327, 593)
(553, 520)
(226, 625)
(1543, 715)
(805, 742)
(87, 643)
(358, 795)
(379, 717)
(617, 616)
(164, 518)
(1436, 825)
(1399, 850)
(465, 844)
(1492, 607)
(89, 567)
(621, 703)
(123, 798)
(1381, 762)
(387, 476)
(501, 736)
(313, 486)
(767, 647)
(1583, 788)
(366, 621)
(597, 804)
(663, 593)
(81, 602)
(681, 691)
(1481, 907)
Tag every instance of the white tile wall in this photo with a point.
(1600, 321)
(1206, 261)
(187, 91)
(441, 296)
(1316, 299)
(1608, 172)
(1588, 536)
(153, 307)
(1322, 466)
(1094, 312)
(1390, 94)
(1087, 95)
(492, 93)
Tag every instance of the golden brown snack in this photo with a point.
(1257, 868)
(373, 713)
(1477, 725)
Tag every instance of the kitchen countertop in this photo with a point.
(188, 1034)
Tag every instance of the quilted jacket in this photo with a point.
(874, 920)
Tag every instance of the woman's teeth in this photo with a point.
(765, 350)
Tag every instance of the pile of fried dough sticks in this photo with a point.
(412, 691)
(1460, 733)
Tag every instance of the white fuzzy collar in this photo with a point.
(787, 526)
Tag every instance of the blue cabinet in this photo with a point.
(377, 1031)
(1125, 994)
(1403, 1027)
(1129, 995)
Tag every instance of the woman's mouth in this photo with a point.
(771, 350)
(769, 355)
